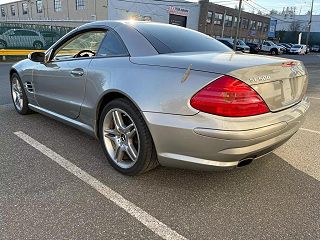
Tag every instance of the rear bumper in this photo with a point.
(205, 141)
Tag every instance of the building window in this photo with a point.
(24, 8)
(235, 22)
(259, 26)
(209, 17)
(253, 24)
(80, 4)
(39, 6)
(228, 21)
(13, 10)
(266, 27)
(57, 5)
(218, 19)
(3, 13)
(245, 23)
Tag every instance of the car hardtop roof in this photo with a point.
(116, 23)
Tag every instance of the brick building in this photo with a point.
(220, 21)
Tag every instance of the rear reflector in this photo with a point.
(229, 97)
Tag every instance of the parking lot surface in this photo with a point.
(56, 184)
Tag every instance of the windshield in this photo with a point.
(296, 46)
(167, 38)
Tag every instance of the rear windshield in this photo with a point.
(240, 42)
(167, 38)
(296, 46)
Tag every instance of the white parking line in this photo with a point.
(314, 98)
(309, 130)
(145, 218)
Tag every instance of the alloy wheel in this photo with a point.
(37, 45)
(17, 93)
(121, 138)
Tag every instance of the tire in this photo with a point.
(130, 150)
(3, 44)
(38, 45)
(274, 52)
(19, 96)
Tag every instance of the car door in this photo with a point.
(59, 84)
(16, 39)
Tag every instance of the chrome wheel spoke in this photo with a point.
(118, 154)
(131, 152)
(118, 121)
(110, 133)
(15, 88)
(130, 130)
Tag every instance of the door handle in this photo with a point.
(78, 72)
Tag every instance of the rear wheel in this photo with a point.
(274, 52)
(19, 97)
(38, 45)
(125, 138)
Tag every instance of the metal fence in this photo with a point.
(30, 36)
(292, 37)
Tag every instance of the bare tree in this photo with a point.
(274, 12)
(237, 7)
(295, 26)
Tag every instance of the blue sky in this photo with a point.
(265, 5)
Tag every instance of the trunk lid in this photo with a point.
(281, 85)
(280, 82)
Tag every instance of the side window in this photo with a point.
(87, 42)
(18, 33)
(112, 46)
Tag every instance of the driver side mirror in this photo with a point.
(37, 57)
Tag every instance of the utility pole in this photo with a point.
(238, 27)
(309, 24)
(68, 11)
(223, 23)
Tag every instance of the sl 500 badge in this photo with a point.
(260, 79)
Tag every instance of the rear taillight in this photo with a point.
(229, 97)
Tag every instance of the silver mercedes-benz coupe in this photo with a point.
(161, 94)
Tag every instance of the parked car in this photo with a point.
(254, 47)
(298, 49)
(286, 47)
(283, 49)
(308, 49)
(315, 48)
(228, 44)
(50, 37)
(161, 94)
(22, 38)
(241, 46)
(272, 48)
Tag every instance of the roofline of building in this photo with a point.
(16, 1)
(232, 9)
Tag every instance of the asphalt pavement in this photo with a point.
(56, 184)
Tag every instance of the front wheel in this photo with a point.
(18, 94)
(3, 44)
(125, 138)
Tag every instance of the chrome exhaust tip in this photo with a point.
(245, 162)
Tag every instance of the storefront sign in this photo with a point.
(178, 11)
(272, 29)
